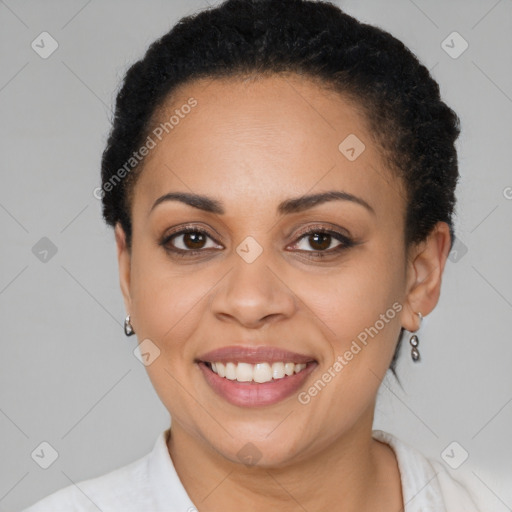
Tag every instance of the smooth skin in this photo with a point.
(251, 144)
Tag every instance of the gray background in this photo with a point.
(68, 375)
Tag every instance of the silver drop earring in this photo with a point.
(128, 329)
(414, 342)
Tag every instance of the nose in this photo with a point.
(253, 294)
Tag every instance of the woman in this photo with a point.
(280, 179)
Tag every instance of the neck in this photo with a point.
(353, 472)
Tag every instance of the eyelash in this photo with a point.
(345, 241)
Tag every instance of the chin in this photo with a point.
(259, 449)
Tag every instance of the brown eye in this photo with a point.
(319, 241)
(194, 240)
(189, 241)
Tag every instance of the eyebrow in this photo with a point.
(294, 205)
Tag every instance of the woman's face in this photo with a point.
(261, 272)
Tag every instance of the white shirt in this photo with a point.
(151, 484)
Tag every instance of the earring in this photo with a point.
(128, 329)
(414, 342)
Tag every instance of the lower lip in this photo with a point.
(253, 394)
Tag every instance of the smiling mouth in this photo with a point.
(255, 376)
(257, 384)
(259, 373)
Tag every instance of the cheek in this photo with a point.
(360, 307)
(357, 294)
(166, 305)
(157, 298)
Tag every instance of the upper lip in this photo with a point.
(253, 355)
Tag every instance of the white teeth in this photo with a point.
(244, 372)
(278, 370)
(220, 369)
(260, 372)
(289, 368)
(230, 371)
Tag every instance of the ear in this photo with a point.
(123, 259)
(424, 272)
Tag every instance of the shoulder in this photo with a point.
(454, 493)
(426, 484)
(120, 489)
(148, 484)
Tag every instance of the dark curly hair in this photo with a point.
(414, 129)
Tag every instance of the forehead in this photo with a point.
(264, 138)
